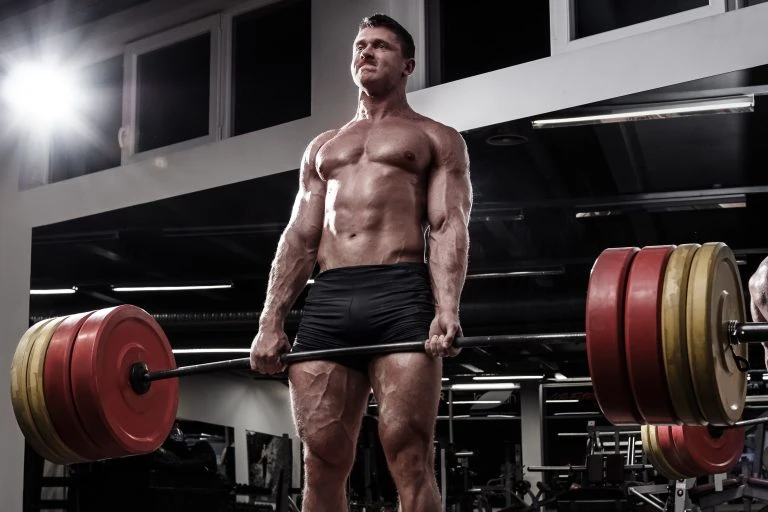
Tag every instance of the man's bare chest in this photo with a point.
(398, 147)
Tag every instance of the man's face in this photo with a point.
(377, 59)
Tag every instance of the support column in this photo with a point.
(531, 429)
(15, 246)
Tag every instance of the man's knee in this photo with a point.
(408, 448)
(328, 448)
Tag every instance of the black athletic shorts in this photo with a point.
(366, 305)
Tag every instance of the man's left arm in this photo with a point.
(449, 202)
(758, 298)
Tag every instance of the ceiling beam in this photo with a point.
(133, 263)
(650, 200)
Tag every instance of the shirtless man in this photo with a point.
(758, 298)
(377, 197)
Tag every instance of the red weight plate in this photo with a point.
(708, 453)
(58, 389)
(668, 446)
(121, 421)
(642, 336)
(605, 336)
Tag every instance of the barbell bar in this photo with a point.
(668, 317)
(141, 375)
(737, 333)
(755, 332)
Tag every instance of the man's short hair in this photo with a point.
(403, 36)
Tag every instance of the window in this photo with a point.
(173, 93)
(269, 55)
(470, 38)
(90, 144)
(580, 23)
(597, 16)
(173, 84)
(242, 70)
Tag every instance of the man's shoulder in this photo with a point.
(441, 133)
(436, 128)
(318, 141)
(324, 137)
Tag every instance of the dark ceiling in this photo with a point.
(549, 203)
(74, 13)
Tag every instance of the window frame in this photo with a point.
(563, 25)
(127, 136)
(433, 44)
(227, 31)
(47, 166)
(106, 55)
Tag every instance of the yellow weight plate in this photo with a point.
(19, 398)
(674, 299)
(661, 463)
(715, 297)
(36, 393)
(650, 453)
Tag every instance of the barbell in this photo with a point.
(665, 336)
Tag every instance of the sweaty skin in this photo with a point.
(758, 295)
(389, 186)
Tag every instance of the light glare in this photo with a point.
(41, 94)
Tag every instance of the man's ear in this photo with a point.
(410, 65)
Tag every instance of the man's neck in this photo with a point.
(379, 107)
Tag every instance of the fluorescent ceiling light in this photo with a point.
(560, 376)
(445, 379)
(467, 402)
(54, 291)
(211, 351)
(563, 401)
(472, 368)
(518, 273)
(509, 377)
(570, 379)
(655, 111)
(598, 213)
(485, 387)
(170, 288)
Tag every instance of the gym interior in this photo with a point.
(589, 125)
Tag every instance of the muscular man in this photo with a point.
(377, 197)
(758, 295)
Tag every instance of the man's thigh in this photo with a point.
(407, 390)
(328, 401)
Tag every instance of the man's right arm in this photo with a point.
(297, 248)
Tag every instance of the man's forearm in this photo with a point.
(291, 268)
(448, 254)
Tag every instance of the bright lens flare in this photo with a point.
(41, 94)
